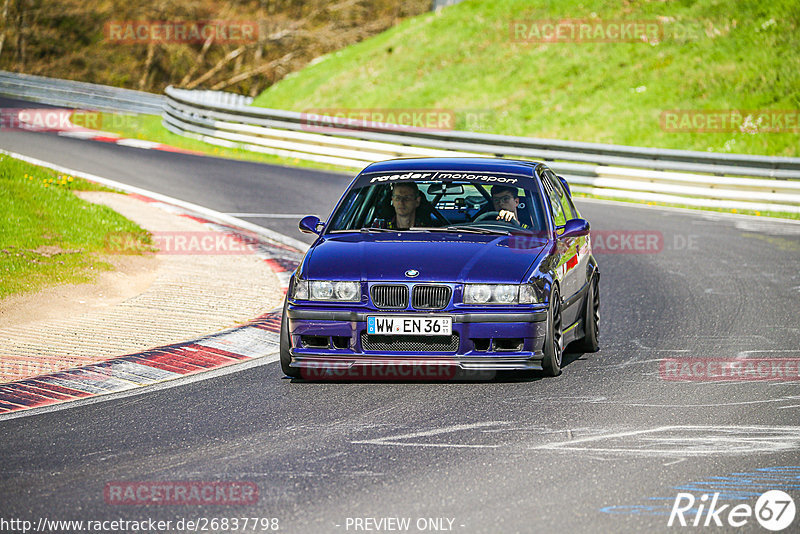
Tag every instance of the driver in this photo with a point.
(406, 199)
(505, 201)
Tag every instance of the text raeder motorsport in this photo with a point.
(444, 176)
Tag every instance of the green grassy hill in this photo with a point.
(711, 55)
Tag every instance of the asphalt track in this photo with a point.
(605, 447)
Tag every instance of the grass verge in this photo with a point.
(48, 235)
(483, 63)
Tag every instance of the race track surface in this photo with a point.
(605, 447)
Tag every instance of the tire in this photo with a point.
(553, 342)
(591, 319)
(286, 357)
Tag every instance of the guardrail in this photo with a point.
(675, 176)
(67, 93)
(702, 179)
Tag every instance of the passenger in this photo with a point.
(406, 198)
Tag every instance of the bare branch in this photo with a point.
(252, 72)
(199, 61)
(230, 56)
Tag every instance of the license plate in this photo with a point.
(408, 325)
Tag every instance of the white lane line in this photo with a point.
(747, 353)
(392, 440)
(712, 440)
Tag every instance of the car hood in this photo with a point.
(437, 257)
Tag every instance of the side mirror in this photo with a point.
(310, 224)
(575, 228)
(566, 185)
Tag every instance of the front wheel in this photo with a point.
(286, 357)
(553, 342)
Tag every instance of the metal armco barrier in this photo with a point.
(66, 93)
(675, 176)
(702, 179)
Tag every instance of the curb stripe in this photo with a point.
(41, 384)
(106, 137)
(41, 392)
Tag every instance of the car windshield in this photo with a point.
(440, 206)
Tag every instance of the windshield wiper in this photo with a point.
(474, 230)
(463, 229)
(367, 230)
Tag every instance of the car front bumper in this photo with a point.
(326, 343)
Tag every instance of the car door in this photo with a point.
(569, 263)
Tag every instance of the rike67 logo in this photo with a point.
(774, 510)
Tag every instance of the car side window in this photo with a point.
(563, 196)
(559, 218)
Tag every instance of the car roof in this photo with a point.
(489, 165)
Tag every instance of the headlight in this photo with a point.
(506, 294)
(327, 291)
(348, 291)
(499, 294)
(321, 290)
(477, 293)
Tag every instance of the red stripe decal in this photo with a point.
(572, 262)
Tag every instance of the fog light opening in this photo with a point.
(315, 342)
(481, 344)
(341, 342)
(512, 344)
